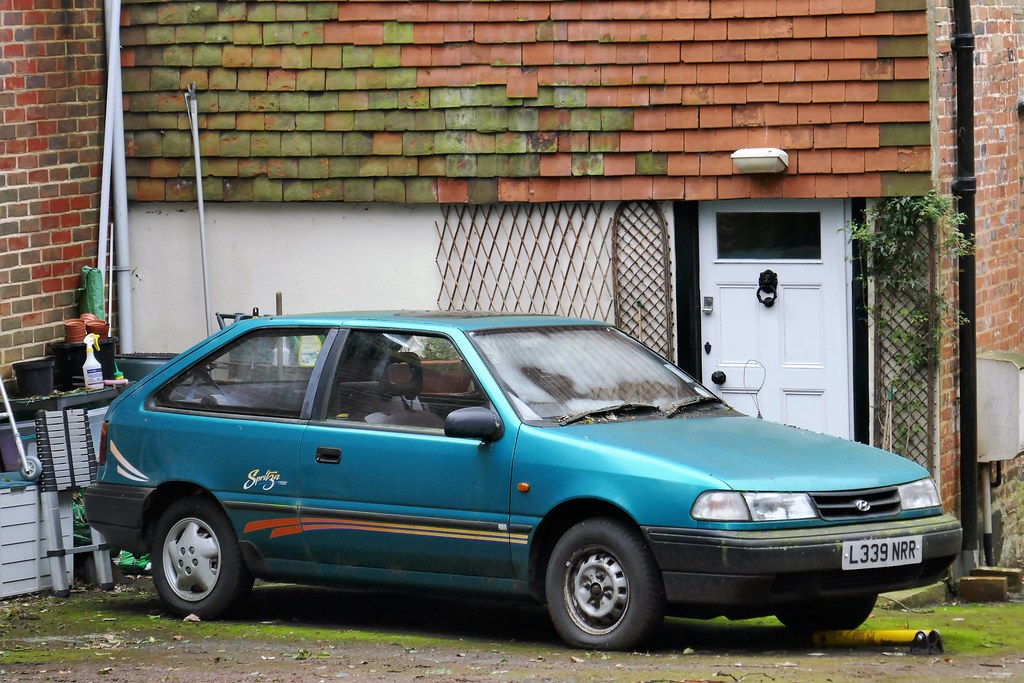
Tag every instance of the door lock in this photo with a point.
(708, 307)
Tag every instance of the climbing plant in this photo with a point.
(900, 241)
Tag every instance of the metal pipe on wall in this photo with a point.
(120, 181)
(115, 174)
(104, 215)
(965, 188)
(192, 111)
(103, 240)
(986, 513)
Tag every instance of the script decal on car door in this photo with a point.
(265, 480)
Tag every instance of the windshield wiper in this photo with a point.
(673, 409)
(616, 408)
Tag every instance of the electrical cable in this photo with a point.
(754, 394)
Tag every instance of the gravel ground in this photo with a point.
(291, 633)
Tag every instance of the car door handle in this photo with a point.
(328, 456)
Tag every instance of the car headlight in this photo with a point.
(733, 506)
(919, 494)
(721, 506)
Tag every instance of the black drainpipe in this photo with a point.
(965, 187)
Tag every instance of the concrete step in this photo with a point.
(1013, 576)
(983, 589)
(914, 598)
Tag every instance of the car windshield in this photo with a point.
(565, 374)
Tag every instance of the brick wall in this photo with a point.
(999, 88)
(459, 101)
(944, 158)
(51, 76)
(998, 72)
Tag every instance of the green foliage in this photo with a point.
(889, 237)
(439, 348)
(893, 245)
(901, 241)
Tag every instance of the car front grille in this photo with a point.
(850, 506)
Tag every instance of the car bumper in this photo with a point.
(116, 511)
(763, 568)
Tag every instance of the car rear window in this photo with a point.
(264, 373)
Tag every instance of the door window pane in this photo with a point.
(392, 378)
(263, 373)
(775, 236)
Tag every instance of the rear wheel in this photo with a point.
(197, 567)
(839, 614)
(604, 589)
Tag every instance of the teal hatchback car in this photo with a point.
(552, 459)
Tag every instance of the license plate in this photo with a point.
(871, 553)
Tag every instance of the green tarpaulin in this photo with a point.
(90, 294)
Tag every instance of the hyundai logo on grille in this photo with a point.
(862, 505)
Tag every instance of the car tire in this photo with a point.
(603, 587)
(197, 566)
(840, 614)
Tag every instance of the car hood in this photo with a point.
(747, 453)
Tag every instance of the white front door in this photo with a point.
(783, 351)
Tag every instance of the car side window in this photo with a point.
(397, 378)
(264, 373)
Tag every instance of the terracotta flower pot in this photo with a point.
(74, 330)
(98, 327)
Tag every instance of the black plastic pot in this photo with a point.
(70, 358)
(35, 377)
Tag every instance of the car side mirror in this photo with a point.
(475, 422)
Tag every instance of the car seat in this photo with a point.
(402, 381)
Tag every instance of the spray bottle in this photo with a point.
(92, 371)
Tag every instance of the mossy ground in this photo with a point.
(301, 633)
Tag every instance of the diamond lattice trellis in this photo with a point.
(563, 259)
(529, 258)
(643, 290)
(904, 393)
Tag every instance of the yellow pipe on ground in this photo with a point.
(923, 641)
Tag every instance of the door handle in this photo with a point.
(328, 456)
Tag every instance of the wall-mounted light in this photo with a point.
(760, 160)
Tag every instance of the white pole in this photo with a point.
(120, 183)
(108, 131)
(124, 267)
(193, 124)
(110, 279)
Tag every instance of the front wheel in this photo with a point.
(197, 567)
(604, 589)
(837, 614)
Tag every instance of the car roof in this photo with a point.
(467, 321)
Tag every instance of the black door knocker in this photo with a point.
(767, 288)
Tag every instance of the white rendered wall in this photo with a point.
(321, 257)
